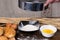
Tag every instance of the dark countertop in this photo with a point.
(36, 36)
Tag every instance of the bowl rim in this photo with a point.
(46, 28)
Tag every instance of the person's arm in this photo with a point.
(50, 1)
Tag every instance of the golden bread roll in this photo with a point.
(8, 24)
(14, 26)
(3, 38)
(12, 38)
(9, 32)
(1, 31)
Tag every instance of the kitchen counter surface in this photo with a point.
(52, 21)
(34, 35)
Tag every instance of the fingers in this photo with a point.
(57, 0)
(48, 2)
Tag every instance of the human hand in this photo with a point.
(50, 1)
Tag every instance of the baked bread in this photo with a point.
(8, 24)
(14, 26)
(3, 38)
(9, 32)
(1, 31)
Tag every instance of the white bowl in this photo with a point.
(51, 27)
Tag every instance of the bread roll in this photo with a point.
(14, 26)
(3, 38)
(9, 32)
(1, 31)
(8, 24)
